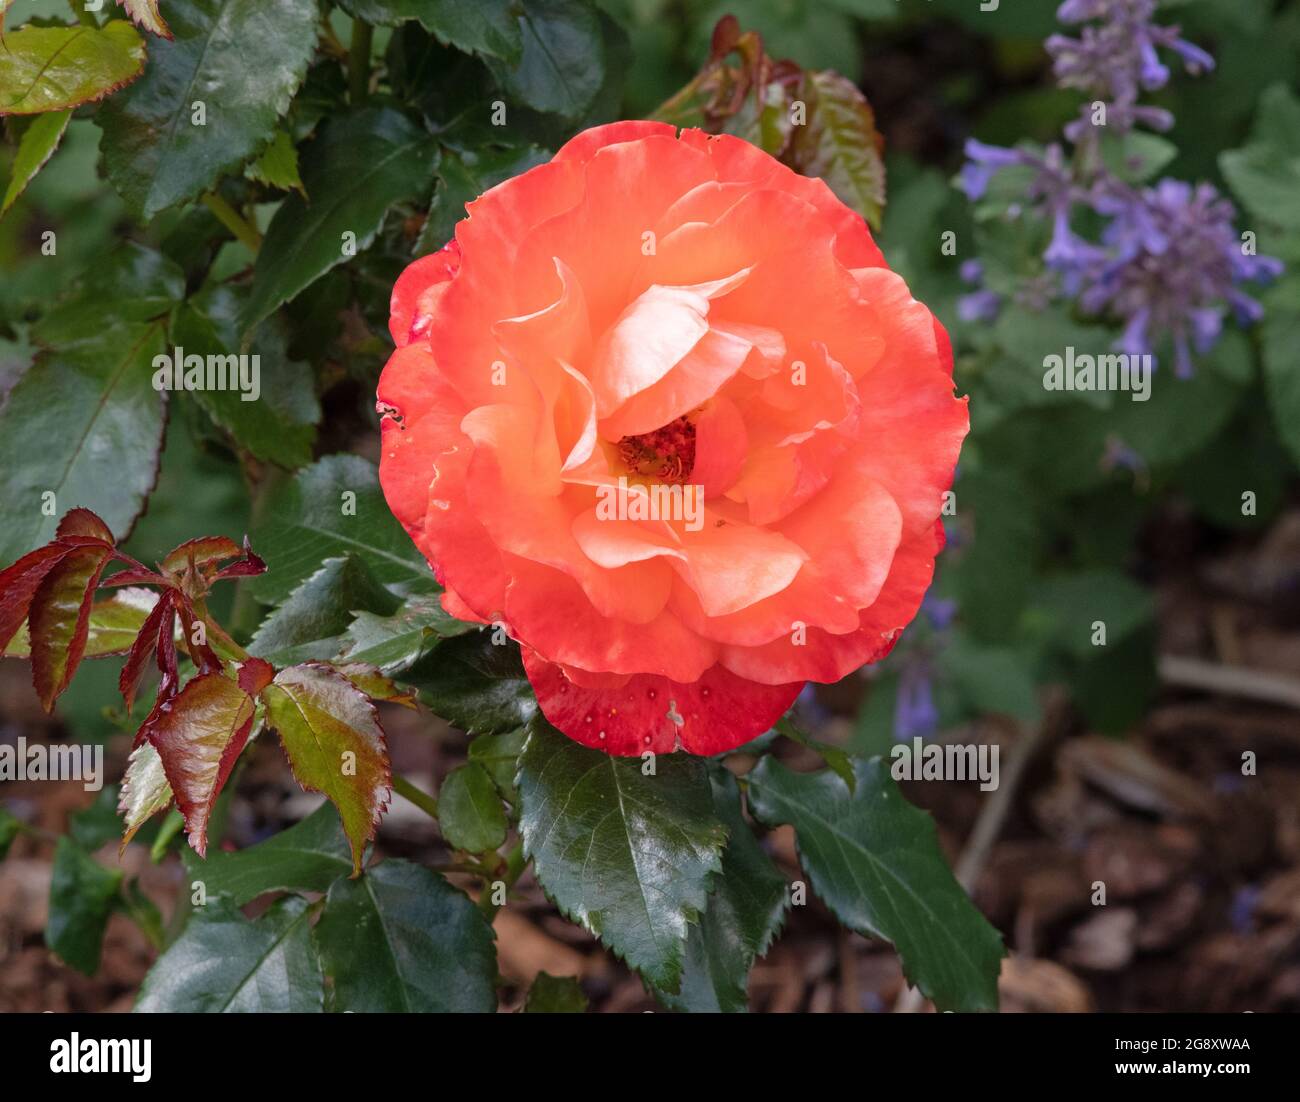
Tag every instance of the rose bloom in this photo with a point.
(662, 411)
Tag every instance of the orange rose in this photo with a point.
(662, 411)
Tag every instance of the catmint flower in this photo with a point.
(1168, 263)
(915, 714)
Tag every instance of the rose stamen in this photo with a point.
(667, 453)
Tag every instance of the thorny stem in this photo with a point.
(233, 221)
(359, 61)
(515, 865)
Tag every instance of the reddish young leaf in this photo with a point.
(195, 634)
(198, 735)
(335, 745)
(377, 685)
(59, 618)
(255, 675)
(82, 522)
(248, 565)
(204, 551)
(165, 650)
(114, 624)
(135, 575)
(18, 584)
(146, 642)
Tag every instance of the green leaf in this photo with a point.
(401, 939)
(1280, 334)
(240, 59)
(37, 145)
(837, 759)
(555, 995)
(334, 743)
(133, 283)
(744, 914)
(307, 857)
(628, 856)
(499, 755)
(1076, 601)
(484, 27)
(141, 910)
(311, 622)
(988, 680)
(874, 859)
(356, 169)
(839, 143)
(145, 790)
(97, 824)
(375, 685)
(1265, 174)
(224, 964)
(562, 66)
(279, 424)
(396, 642)
(81, 899)
(98, 445)
(10, 827)
(469, 810)
(1137, 156)
(277, 165)
(465, 175)
(54, 68)
(330, 509)
(476, 685)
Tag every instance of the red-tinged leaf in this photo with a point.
(59, 619)
(18, 585)
(198, 735)
(144, 13)
(248, 566)
(204, 551)
(376, 685)
(142, 649)
(114, 624)
(165, 651)
(196, 638)
(255, 675)
(145, 790)
(82, 522)
(52, 68)
(134, 576)
(334, 743)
